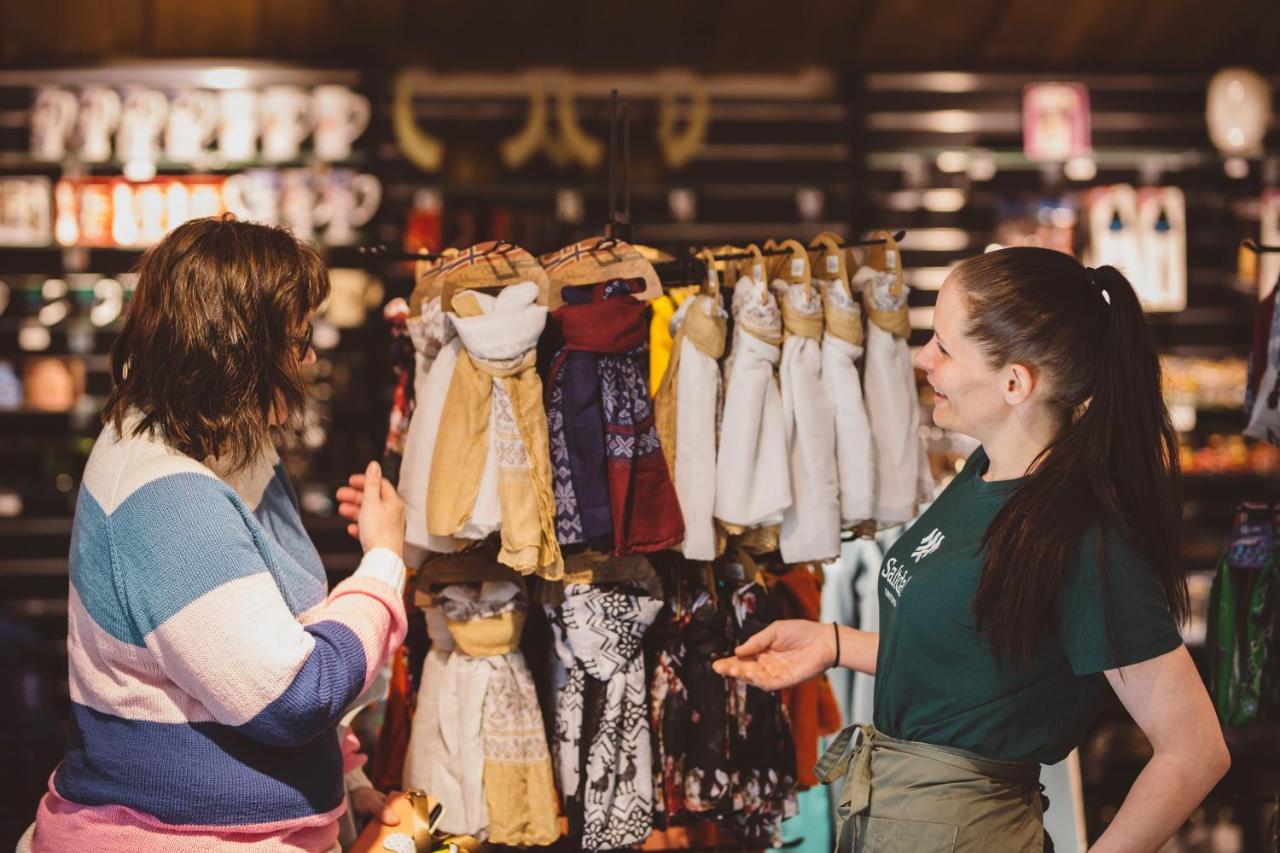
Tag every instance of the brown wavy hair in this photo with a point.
(209, 352)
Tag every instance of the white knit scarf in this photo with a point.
(892, 408)
(854, 466)
(698, 391)
(752, 476)
(811, 525)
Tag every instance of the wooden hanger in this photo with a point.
(760, 267)
(833, 259)
(488, 265)
(711, 285)
(885, 257)
(795, 268)
(595, 260)
(773, 259)
(427, 281)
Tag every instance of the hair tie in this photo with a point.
(1093, 282)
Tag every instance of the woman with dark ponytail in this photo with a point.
(1045, 574)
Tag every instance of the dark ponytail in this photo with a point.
(1115, 460)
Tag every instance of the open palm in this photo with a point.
(786, 652)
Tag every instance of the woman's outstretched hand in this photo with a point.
(787, 652)
(374, 509)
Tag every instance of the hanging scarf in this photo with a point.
(893, 410)
(752, 477)
(610, 478)
(426, 763)
(688, 710)
(687, 408)
(762, 751)
(602, 741)
(841, 349)
(494, 454)
(436, 353)
(478, 699)
(402, 367)
(811, 525)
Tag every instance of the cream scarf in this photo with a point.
(753, 486)
(841, 349)
(893, 410)
(478, 699)
(687, 409)
(491, 468)
(436, 353)
(811, 525)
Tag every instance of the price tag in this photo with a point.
(890, 258)
(797, 267)
(757, 272)
(735, 571)
(833, 264)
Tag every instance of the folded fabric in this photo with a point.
(841, 349)
(753, 485)
(811, 525)
(687, 409)
(436, 353)
(611, 482)
(893, 410)
(491, 467)
(602, 738)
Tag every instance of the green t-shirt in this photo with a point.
(938, 682)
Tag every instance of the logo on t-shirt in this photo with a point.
(928, 545)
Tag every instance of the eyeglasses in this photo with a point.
(304, 342)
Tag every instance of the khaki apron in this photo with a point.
(901, 795)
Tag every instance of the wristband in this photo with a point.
(835, 663)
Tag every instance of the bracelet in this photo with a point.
(836, 662)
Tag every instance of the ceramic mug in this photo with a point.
(298, 208)
(193, 121)
(348, 201)
(238, 124)
(341, 115)
(286, 121)
(254, 195)
(142, 120)
(53, 117)
(97, 120)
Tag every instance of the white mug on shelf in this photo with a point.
(142, 119)
(348, 201)
(341, 115)
(298, 208)
(193, 120)
(286, 121)
(26, 216)
(238, 125)
(99, 115)
(254, 195)
(53, 117)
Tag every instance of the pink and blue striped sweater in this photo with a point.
(209, 663)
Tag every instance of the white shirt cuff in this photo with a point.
(384, 565)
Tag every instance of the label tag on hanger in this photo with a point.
(890, 258)
(797, 267)
(757, 272)
(833, 264)
(736, 571)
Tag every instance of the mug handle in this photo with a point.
(369, 190)
(359, 115)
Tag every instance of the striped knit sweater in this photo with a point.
(208, 662)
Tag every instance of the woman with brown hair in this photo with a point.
(209, 663)
(1046, 571)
